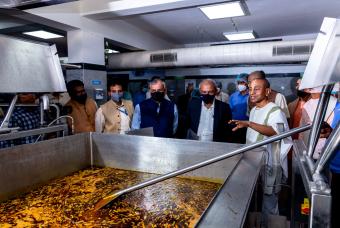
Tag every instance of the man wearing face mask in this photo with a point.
(115, 115)
(80, 107)
(156, 112)
(208, 117)
(239, 106)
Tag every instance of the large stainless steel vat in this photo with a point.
(25, 167)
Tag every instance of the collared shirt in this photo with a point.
(239, 105)
(26, 118)
(205, 130)
(136, 120)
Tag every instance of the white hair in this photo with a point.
(155, 81)
(208, 81)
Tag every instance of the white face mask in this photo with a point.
(241, 88)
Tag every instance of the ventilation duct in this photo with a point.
(249, 53)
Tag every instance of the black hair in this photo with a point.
(259, 73)
(71, 85)
(116, 82)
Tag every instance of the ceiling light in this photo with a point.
(43, 34)
(231, 9)
(240, 36)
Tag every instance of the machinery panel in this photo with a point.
(29, 67)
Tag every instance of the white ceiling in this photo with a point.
(268, 18)
(175, 23)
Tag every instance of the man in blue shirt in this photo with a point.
(140, 95)
(156, 112)
(238, 102)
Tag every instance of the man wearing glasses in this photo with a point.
(156, 112)
(207, 118)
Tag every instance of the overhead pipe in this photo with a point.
(246, 53)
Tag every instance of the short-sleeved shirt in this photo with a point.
(239, 105)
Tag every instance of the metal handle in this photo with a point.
(329, 149)
(213, 160)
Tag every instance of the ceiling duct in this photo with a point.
(163, 57)
(249, 53)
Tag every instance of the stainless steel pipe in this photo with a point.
(10, 110)
(319, 116)
(330, 148)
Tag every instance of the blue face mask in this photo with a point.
(117, 96)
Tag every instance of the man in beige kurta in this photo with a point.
(115, 115)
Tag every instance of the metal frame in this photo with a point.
(316, 185)
(320, 114)
(4, 124)
(38, 131)
(14, 133)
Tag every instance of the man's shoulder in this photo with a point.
(292, 104)
(280, 96)
(274, 110)
(222, 104)
(272, 105)
(69, 103)
(105, 104)
(236, 93)
(91, 100)
(127, 102)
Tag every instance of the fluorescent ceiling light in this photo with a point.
(240, 36)
(43, 34)
(231, 9)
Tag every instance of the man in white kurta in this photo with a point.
(267, 119)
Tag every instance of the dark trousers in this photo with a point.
(239, 136)
(335, 187)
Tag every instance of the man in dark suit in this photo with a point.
(207, 118)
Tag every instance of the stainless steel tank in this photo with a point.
(23, 168)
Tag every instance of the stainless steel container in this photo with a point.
(25, 167)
